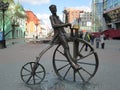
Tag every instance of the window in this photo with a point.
(116, 2)
(109, 4)
(105, 4)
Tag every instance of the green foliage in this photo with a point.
(9, 1)
(15, 11)
(19, 11)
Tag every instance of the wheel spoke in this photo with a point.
(38, 76)
(82, 47)
(26, 75)
(39, 71)
(63, 67)
(74, 74)
(34, 79)
(29, 78)
(67, 72)
(61, 52)
(61, 60)
(86, 71)
(26, 69)
(81, 76)
(87, 55)
(87, 63)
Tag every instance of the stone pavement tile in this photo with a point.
(14, 57)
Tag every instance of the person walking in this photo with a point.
(102, 40)
(87, 38)
(92, 39)
(97, 39)
(81, 35)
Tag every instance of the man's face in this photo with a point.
(53, 9)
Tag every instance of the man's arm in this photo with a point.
(54, 25)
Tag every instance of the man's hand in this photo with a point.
(68, 24)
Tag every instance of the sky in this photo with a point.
(41, 7)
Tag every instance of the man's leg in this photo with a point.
(64, 43)
(86, 46)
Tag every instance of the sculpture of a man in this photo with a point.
(60, 34)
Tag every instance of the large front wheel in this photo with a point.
(87, 60)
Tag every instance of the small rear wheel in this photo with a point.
(32, 73)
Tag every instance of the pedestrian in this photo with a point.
(97, 41)
(92, 39)
(87, 38)
(81, 34)
(102, 40)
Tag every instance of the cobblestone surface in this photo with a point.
(15, 56)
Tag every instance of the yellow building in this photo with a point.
(33, 27)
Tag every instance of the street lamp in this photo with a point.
(3, 8)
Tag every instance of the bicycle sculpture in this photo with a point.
(70, 60)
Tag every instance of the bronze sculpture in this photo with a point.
(60, 34)
(66, 67)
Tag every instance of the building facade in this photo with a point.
(14, 20)
(72, 14)
(97, 15)
(86, 22)
(78, 18)
(33, 27)
(112, 13)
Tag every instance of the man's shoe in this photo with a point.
(75, 66)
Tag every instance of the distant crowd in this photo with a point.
(97, 40)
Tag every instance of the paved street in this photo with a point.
(15, 56)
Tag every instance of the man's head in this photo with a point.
(53, 9)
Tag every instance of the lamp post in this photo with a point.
(3, 8)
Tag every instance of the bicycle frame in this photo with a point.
(74, 35)
(43, 51)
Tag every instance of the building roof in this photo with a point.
(32, 17)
